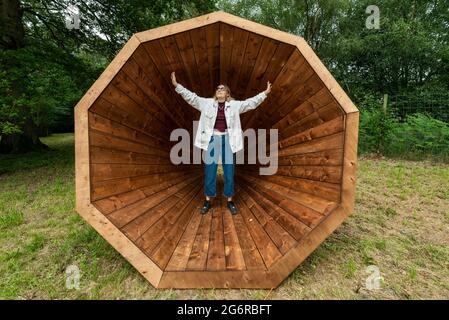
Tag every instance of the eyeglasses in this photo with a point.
(221, 88)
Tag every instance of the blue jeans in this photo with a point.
(219, 147)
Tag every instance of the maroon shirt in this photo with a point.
(220, 123)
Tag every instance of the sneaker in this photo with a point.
(206, 206)
(232, 207)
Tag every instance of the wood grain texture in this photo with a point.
(147, 207)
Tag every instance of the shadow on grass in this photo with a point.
(61, 153)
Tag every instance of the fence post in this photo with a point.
(385, 103)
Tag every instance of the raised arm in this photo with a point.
(190, 97)
(254, 102)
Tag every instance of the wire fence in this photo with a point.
(412, 128)
(402, 106)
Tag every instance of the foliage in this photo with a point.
(42, 79)
(34, 87)
(420, 136)
(406, 58)
(375, 130)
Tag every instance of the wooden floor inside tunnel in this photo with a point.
(165, 223)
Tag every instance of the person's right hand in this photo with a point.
(173, 79)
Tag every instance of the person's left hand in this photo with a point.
(268, 88)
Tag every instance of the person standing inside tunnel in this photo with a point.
(220, 134)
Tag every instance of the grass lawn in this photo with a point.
(400, 224)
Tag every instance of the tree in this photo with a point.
(315, 20)
(46, 67)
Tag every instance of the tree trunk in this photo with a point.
(11, 38)
(23, 142)
(11, 27)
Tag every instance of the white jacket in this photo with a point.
(209, 108)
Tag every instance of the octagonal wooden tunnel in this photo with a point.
(148, 208)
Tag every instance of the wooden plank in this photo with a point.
(169, 58)
(162, 253)
(267, 249)
(297, 81)
(104, 189)
(142, 71)
(331, 174)
(300, 92)
(107, 155)
(199, 41)
(249, 62)
(211, 18)
(180, 257)
(264, 57)
(281, 238)
(116, 202)
(329, 191)
(273, 73)
(304, 109)
(213, 53)
(329, 157)
(327, 78)
(164, 67)
(244, 279)
(303, 213)
(244, 246)
(109, 172)
(151, 78)
(150, 238)
(185, 45)
(292, 82)
(118, 114)
(233, 252)
(141, 97)
(311, 118)
(159, 205)
(198, 256)
(114, 95)
(326, 128)
(290, 223)
(216, 254)
(102, 124)
(103, 140)
(226, 42)
(240, 39)
(349, 176)
(126, 217)
(253, 259)
(281, 83)
(315, 203)
(319, 144)
(108, 74)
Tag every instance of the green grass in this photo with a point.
(11, 218)
(400, 225)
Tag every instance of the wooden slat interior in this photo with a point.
(156, 203)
